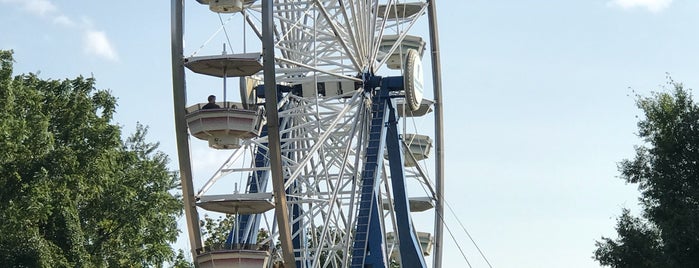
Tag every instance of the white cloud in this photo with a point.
(96, 43)
(40, 7)
(652, 5)
(63, 21)
(37, 7)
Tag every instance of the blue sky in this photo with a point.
(537, 97)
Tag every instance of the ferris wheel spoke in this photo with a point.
(333, 195)
(251, 23)
(321, 140)
(302, 38)
(326, 57)
(377, 38)
(332, 37)
(341, 38)
(350, 26)
(402, 27)
(311, 68)
(222, 171)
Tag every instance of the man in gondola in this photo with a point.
(212, 103)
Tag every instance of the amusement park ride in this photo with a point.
(323, 118)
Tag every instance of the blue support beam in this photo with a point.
(369, 245)
(368, 249)
(410, 250)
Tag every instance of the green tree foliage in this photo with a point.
(216, 230)
(72, 193)
(666, 169)
(181, 261)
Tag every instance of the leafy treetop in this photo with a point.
(72, 193)
(666, 169)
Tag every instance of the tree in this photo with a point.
(72, 193)
(217, 230)
(666, 169)
(181, 261)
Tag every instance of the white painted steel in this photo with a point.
(324, 136)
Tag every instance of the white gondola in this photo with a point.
(226, 65)
(236, 255)
(419, 146)
(405, 111)
(242, 204)
(224, 128)
(426, 242)
(417, 204)
(226, 6)
(240, 258)
(401, 10)
(395, 60)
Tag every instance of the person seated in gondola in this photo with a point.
(212, 103)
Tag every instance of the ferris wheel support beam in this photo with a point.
(438, 132)
(410, 250)
(281, 212)
(179, 96)
(368, 247)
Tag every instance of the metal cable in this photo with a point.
(451, 234)
(455, 242)
(462, 227)
(225, 31)
(467, 233)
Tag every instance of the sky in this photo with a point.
(538, 103)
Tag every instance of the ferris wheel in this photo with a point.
(324, 133)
